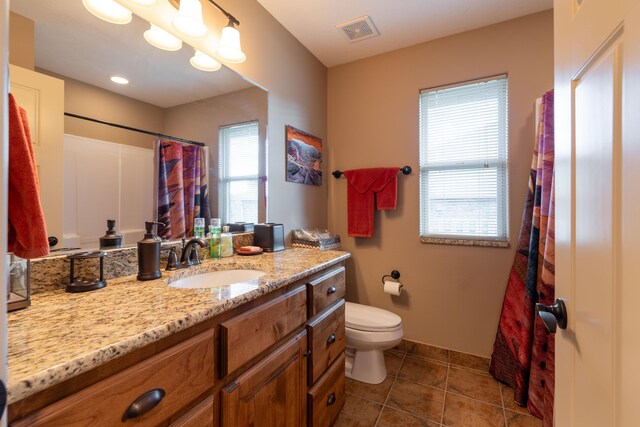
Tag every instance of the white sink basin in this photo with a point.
(217, 279)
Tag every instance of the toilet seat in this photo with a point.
(371, 319)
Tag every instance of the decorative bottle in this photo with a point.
(226, 242)
(214, 238)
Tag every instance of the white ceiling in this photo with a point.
(401, 23)
(72, 42)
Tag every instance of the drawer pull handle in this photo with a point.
(332, 290)
(331, 339)
(332, 399)
(144, 404)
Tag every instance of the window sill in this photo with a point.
(464, 242)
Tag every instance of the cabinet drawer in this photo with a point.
(199, 416)
(326, 397)
(170, 380)
(245, 336)
(326, 339)
(325, 290)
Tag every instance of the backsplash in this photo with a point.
(52, 272)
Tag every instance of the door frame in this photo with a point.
(4, 162)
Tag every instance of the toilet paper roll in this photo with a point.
(392, 288)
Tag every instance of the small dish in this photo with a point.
(247, 252)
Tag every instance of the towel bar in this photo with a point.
(405, 170)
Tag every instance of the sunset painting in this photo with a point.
(304, 157)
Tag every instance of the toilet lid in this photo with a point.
(367, 318)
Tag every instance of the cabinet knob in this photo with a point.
(307, 353)
(331, 339)
(144, 404)
(332, 399)
(332, 290)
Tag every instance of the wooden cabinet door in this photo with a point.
(273, 392)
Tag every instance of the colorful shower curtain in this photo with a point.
(523, 352)
(182, 188)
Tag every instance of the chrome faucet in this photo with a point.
(189, 256)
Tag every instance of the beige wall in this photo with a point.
(201, 121)
(297, 84)
(21, 35)
(87, 100)
(452, 295)
(91, 101)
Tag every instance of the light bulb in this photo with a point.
(229, 48)
(189, 19)
(108, 10)
(161, 39)
(204, 62)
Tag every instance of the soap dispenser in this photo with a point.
(149, 254)
(111, 239)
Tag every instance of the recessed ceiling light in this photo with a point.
(119, 80)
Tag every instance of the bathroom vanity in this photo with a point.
(146, 353)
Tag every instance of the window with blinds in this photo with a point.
(239, 173)
(463, 162)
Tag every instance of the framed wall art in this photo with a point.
(304, 157)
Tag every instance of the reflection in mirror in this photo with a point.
(91, 172)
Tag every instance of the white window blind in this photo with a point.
(239, 173)
(463, 161)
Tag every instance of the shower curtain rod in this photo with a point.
(115, 125)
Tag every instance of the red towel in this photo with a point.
(27, 231)
(365, 185)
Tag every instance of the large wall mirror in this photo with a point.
(96, 171)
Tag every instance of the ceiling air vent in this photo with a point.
(359, 29)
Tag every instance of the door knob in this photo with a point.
(553, 315)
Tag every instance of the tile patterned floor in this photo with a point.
(432, 387)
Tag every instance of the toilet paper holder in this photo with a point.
(395, 274)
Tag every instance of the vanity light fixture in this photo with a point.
(119, 80)
(204, 62)
(189, 19)
(161, 39)
(229, 48)
(187, 22)
(108, 10)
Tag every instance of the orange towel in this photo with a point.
(365, 186)
(27, 230)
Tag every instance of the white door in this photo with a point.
(42, 97)
(4, 82)
(597, 125)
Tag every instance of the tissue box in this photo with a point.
(315, 239)
(269, 236)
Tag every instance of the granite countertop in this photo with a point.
(63, 335)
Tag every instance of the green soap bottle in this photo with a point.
(214, 238)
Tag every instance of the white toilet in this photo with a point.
(369, 331)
